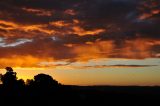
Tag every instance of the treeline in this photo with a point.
(11, 86)
(42, 89)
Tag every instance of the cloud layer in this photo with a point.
(81, 30)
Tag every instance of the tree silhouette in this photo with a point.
(42, 84)
(9, 79)
(11, 85)
(43, 81)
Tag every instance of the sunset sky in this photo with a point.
(82, 42)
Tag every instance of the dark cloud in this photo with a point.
(117, 66)
(80, 29)
(98, 66)
(121, 18)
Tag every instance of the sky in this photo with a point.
(82, 42)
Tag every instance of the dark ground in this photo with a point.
(86, 95)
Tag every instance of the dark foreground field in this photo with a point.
(86, 95)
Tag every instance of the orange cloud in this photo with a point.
(145, 16)
(149, 9)
(138, 48)
(60, 24)
(75, 28)
(14, 29)
(40, 28)
(8, 25)
(101, 49)
(22, 61)
(70, 12)
(81, 32)
(131, 49)
(38, 12)
(149, 15)
(156, 11)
